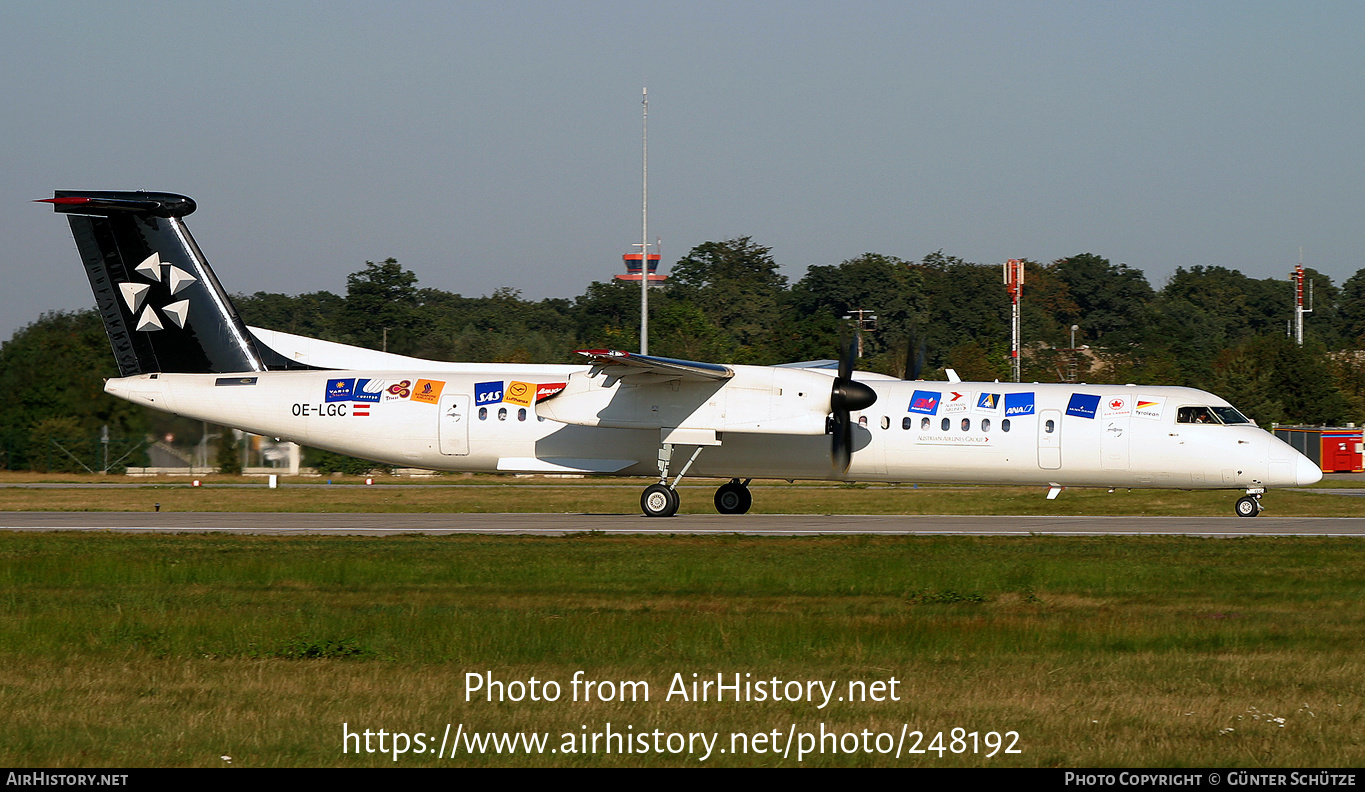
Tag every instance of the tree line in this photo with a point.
(1211, 328)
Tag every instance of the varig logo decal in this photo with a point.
(1083, 405)
(1017, 404)
(339, 390)
(487, 392)
(925, 402)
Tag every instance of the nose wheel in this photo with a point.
(1248, 506)
(659, 500)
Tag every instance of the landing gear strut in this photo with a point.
(661, 500)
(733, 497)
(1250, 504)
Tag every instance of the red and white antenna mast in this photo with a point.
(1014, 283)
(1297, 277)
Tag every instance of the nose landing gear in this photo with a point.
(1249, 505)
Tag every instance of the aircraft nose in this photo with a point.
(1307, 472)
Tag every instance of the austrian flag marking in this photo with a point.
(360, 410)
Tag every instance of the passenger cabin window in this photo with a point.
(483, 413)
(985, 424)
(521, 414)
(966, 424)
(1049, 426)
(905, 422)
(502, 413)
(924, 423)
(945, 424)
(886, 422)
(1005, 425)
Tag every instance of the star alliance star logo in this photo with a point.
(135, 294)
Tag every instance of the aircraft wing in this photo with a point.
(617, 364)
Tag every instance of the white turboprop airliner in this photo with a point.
(182, 348)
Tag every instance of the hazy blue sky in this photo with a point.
(498, 144)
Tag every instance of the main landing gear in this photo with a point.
(661, 500)
(1250, 504)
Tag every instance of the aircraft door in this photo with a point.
(453, 429)
(1050, 439)
(1114, 441)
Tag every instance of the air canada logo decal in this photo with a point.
(146, 317)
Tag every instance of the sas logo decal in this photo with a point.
(547, 389)
(428, 391)
(520, 393)
(925, 402)
(339, 390)
(1083, 405)
(1148, 407)
(487, 392)
(956, 402)
(988, 401)
(1017, 404)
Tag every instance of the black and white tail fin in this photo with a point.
(162, 306)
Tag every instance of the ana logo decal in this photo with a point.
(925, 402)
(1083, 405)
(488, 392)
(1017, 404)
(427, 391)
(339, 390)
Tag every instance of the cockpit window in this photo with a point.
(1229, 415)
(1195, 415)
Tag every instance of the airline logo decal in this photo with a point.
(547, 389)
(520, 393)
(956, 402)
(1017, 404)
(399, 390)
(989, 402)
(487, 392)
(135, 295)
(1117, 406)
(339, 390)
(1148, 407)
(1083, 405)
(367, 390)
(925, 402)
(427, 391)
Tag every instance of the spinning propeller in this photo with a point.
(845, 397)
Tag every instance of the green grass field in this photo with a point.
(131, 650)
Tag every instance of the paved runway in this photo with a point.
(752, 524)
